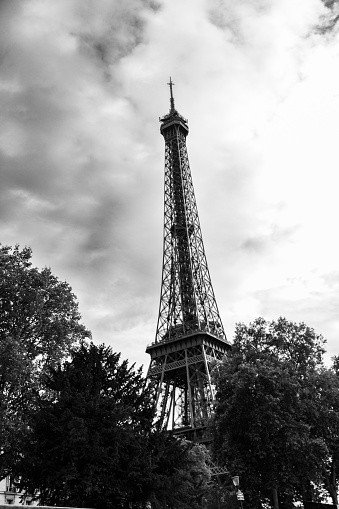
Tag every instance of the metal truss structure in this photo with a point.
(190, 337)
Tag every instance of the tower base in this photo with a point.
(184, 392)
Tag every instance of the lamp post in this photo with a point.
(239, 493)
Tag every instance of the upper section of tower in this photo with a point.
(173, 121)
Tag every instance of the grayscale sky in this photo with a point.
(82, 86)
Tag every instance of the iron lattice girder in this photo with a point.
(181, 369)
(190, 337)
(166, 356)
(187, 301)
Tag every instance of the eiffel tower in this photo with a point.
(190, 337)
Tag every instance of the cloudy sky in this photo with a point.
(82, 86)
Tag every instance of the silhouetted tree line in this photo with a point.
(77, 422)
(277, 415)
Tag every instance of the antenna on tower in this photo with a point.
(170, 84)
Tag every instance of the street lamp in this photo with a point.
(235, 481)
(239, 493)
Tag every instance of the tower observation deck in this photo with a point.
(190, 337)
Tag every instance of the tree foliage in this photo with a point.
(76, 423)
(180, 474)
(37, 309)
(39, 323)
(92, 442)
(276, 421)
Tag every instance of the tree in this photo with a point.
(271, 390)
(180, 475)
(39, 323)
(92, 440)
(323, 416)
(88, 431)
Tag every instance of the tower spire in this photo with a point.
(190, 335)
(170, 84)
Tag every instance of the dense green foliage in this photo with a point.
(77, 423)
(39, 323)
(92, 443)
(277, 415)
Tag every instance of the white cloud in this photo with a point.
(82, 86)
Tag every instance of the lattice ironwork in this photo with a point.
(187, 301)
(190, 337)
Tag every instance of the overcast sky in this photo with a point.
(82, 86)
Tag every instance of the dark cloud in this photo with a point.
(81, 156)
(330, 3)
(329, 20)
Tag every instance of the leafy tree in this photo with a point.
(93, 445)
(88, 431)
(39, 323)
(180, 475)
(37, 309)
(323, 415)
(273, 394)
